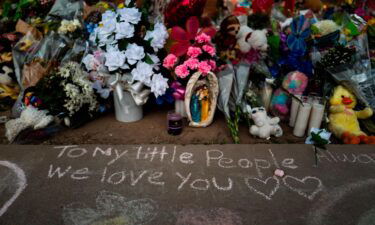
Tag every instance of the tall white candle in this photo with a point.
(302, 120)
(294, 111)
(180, 108)
(316, 116)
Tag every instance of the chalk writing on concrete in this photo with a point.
(21, 184)
(255, 176)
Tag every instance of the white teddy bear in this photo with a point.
(30, 117)
(248, 39)
(264, 125)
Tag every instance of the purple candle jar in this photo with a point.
(174, 123)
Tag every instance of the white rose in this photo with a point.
(159, 36)
(115, 60)
(159, 85)
(130, 15)
(108, 15)
(143, 73)
(124, 30)
(134, 53)
(104, 36)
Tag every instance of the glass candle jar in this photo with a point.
(175, 123)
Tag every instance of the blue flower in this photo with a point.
(300, 31)
(90, 27)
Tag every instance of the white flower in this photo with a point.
(143, 73)
(76, 23)
(104, 35)
(108, 15)
(130, 15)
(64, 22)
(134, 53)
(124, 30)
(156, 61)
(115, 60)
(71, 27)
(159, 36)
(159, 85)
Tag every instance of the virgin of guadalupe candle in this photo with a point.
(294, 111)
(174, 123)
(302, 119)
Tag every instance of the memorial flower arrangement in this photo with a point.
(76, 92)
(192, 51)
(130, 45)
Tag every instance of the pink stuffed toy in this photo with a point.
(295, 82)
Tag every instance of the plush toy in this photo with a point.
(253, 44)
(343, 120)
(5, 75)
(264, 125)
(30, 117)
(225, 38)
(248, 39)
(295, 83)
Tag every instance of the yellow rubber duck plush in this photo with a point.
(344, 120)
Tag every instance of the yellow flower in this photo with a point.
(371, 22)
(120, 6)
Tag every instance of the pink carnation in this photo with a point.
(194, 52)
(169, 61)
(192, 63)
(181, 71)
(209, 49)
(212, 63)
(204, 67)
(203, 38)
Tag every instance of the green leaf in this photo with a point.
(148, 60)
(122, 45)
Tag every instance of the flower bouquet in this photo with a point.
(130, 44)
(193, 56)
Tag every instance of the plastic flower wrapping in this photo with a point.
(129, 44)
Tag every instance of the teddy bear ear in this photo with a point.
(265, 31)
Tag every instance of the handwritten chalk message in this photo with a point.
(255, 181)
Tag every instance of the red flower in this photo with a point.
(186, 38)
(262, 6)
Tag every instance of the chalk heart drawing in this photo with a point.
(21, 184)
(111, 208)
(301, 186)
(271, 183)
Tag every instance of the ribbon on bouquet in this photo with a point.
(137, 90)
(179, 90)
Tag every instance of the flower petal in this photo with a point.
(210, 31)
(179, 34)
(192, 26)
(180, 48)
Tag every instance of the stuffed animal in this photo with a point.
(295, 83)
(225, 38)
(248, 39)
(5, 75)
(30, 117)
(343, 120)
(264, 125)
